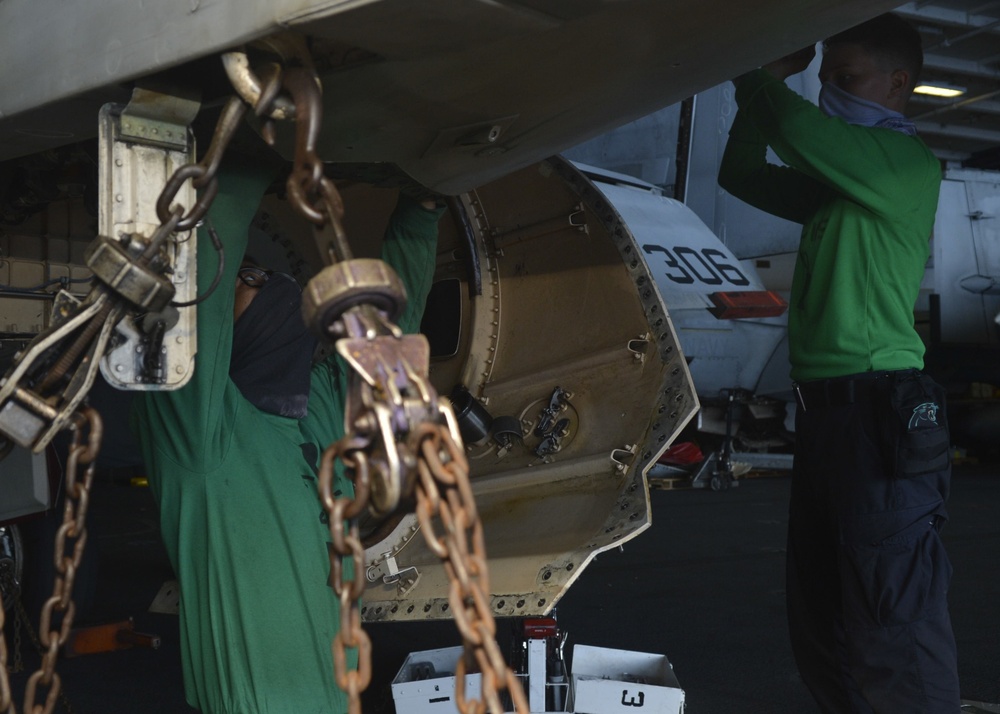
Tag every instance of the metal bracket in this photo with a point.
(622, 458)
(639, 347)
(141, 146)
(389, 573)
(550, 428)
(159, 119)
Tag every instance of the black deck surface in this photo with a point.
(703, 586)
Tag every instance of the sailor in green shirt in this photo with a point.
(867, 574)
(233, 458)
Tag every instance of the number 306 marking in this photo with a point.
(685, 265)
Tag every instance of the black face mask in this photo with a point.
(273, 349)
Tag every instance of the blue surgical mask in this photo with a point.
(835, 102)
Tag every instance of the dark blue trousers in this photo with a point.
(867, 574)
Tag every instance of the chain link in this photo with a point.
(310, 192)
(23, 619)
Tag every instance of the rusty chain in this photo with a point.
(399, 438)
(346, 543)
(6, 706)
(310, 192)
(6, 701)
(71, 539)
(443, 490)
(203, 174)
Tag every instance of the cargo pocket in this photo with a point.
(896, 581)
(924, 444)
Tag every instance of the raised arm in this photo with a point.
(851, 160)
(410, 247)
(188, 425)
(746, 173)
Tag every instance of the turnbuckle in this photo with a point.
(388, 397)
(355, 304)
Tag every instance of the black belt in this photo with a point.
(838, 391)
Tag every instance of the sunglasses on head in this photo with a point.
(254, 277)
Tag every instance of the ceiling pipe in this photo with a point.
(956, 105)
(952, 41)
(985, 6)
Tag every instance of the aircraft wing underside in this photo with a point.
(454, 92)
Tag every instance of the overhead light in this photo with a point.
(939, 89)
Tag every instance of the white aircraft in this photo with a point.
(678, 150)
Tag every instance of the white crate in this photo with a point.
(414, 692)
(608, 681)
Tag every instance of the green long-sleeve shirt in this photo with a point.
(866, 198)
(236, 487)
